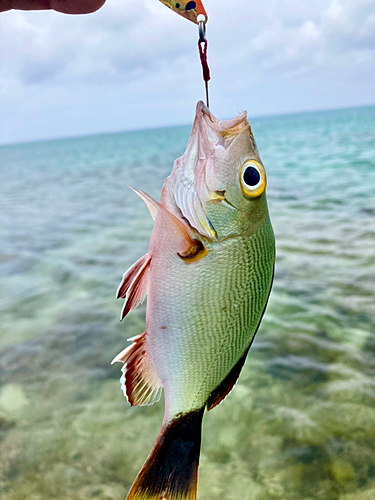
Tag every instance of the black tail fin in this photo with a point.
(171, 470)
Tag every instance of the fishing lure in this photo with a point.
(189, 10)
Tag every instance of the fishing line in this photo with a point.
(195, 12)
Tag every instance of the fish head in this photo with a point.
(218, 185)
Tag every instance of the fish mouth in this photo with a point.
(205, 110)
(218, 132)
(223, 126)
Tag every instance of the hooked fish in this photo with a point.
(208, 275)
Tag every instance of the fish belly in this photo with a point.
(202, 316)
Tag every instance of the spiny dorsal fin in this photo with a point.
(189, 248)
(222, 390)
(133, 287)
(139, 382)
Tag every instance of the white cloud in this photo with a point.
(314, 42)
(280, 53)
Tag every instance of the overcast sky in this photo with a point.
(134, 64)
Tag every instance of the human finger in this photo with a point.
(65, 6)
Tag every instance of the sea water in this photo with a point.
(299, 425)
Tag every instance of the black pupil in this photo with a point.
(251, 176)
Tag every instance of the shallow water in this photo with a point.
(300, 423)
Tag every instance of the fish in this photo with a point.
(207, 274)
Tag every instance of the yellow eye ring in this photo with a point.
(253, 178)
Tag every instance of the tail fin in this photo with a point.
(171, 470)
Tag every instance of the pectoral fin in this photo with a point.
(133, 287)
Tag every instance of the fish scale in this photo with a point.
(201, 309)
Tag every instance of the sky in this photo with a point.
(134, 64)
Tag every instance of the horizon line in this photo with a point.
(144, 129)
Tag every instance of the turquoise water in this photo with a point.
(300, 423)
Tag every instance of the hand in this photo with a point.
(65, 6)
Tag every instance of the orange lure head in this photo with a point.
(187, 9)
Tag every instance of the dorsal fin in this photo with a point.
(152, 204)
(188, 247)
(133, 287)
(139, 382)
(223, 389)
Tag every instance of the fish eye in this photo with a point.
(253, 178)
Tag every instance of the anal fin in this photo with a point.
(223, 389)
(139, 382)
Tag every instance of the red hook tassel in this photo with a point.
(203, 56)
